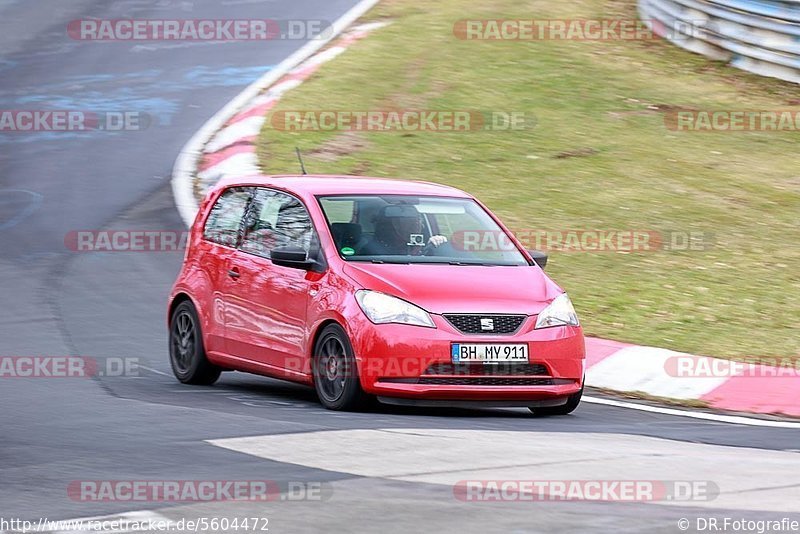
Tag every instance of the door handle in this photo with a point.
(234, 273)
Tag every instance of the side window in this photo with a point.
(224, 221)
(276, 220)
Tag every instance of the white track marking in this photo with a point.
(156, 371)
(242, 164)
(719, 418)
(235, 132)
(643, 369)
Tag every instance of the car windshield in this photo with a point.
(417, 229)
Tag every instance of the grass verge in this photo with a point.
(599, 157)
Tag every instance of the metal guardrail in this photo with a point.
(760, 36)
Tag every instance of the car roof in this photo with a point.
(315, 185)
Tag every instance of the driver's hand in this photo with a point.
(437, 240)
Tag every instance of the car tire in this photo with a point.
(572, 403)
(335, 372)
(187, 355)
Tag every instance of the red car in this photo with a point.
(408, 292)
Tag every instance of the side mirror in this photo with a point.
(539, 257)
(293, 257)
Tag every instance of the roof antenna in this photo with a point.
(300, 158)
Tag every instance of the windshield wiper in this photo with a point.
(395, 262)
(422, 260)
(456, 262)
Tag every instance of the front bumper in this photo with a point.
(410, 362)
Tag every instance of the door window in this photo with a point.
(276, 220)
(224, 222)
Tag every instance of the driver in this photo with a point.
(398, 232)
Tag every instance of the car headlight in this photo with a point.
(558, 313)
(381, 309)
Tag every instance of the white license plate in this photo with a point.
(489, 352)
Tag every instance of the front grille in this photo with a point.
(481, 381)
(480, 369)
(471, 324)
(485, 381)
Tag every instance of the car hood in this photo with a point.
(460, 289)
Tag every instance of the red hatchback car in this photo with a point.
(408, 292)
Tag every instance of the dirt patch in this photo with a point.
(650, 109)
(581, 152)
(343, 144)
(361, 168)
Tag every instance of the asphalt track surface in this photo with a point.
(148, 427)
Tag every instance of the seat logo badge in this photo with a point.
(487, 324)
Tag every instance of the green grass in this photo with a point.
(738, 298)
